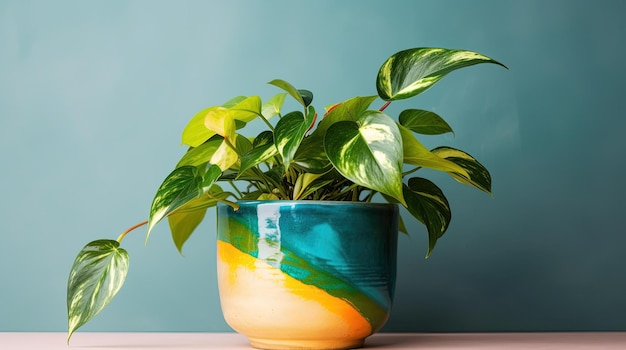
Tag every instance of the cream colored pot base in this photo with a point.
(278, 344)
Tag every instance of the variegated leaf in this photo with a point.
(477, 175)
(290, 131)
(410, 72)
(368, 152)
(179, 187)
(426, 202)
(256, 156)
(96, 276)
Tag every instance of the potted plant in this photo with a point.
(307, 209)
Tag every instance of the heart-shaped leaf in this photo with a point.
(426, 202)
(423, 122)
(179, 187)
(96, 276)
(477, 175)
(368, 152)
(290, 131)
(410, 72)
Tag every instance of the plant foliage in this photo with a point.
(352, 153)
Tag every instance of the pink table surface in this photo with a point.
(228, 341)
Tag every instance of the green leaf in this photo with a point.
(256, 156)
(183, 224)
(179, 187)
(186, 219)
(195, 133)
(292, 91)
(426, 202)
(423, 122)
(368, 152)
(417, 154)
(96, 276)
(290, 131)
(246, 110)
(213, 173)
(348, 110)
(220, 121)
(197, 156)
(273, 106)
(477, 175)
(410, 72)
(311, 157)
(307, 97)
(263, 138)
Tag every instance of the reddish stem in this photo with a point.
(384, 106)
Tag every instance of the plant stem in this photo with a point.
(232, 184)
(384, 106)
(411, 171)
(119, 239)
(267, 122)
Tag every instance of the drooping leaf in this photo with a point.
(410, 72)
(348, 110)
(290, 131)
(179, 187)
(292, 91)
(417, 154)
(201, 154)
(186, 219)
(426, 202)
(183, 224)
(273, 106)
(423, 122)
(368, 152)
(96, 276)
(478, 175)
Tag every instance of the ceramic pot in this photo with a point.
(306, 274)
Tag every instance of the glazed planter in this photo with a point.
(306, 274)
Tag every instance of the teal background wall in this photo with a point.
(94, 95)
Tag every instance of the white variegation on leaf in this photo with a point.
(368, 152)
(410, 72)
(97, 274)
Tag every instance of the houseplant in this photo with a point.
(352, 154)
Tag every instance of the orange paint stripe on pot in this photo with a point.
(277, 298)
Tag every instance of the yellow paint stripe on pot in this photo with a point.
(261, 301)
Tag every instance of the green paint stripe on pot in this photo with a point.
(292, 265)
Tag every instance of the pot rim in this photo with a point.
(309, 201)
